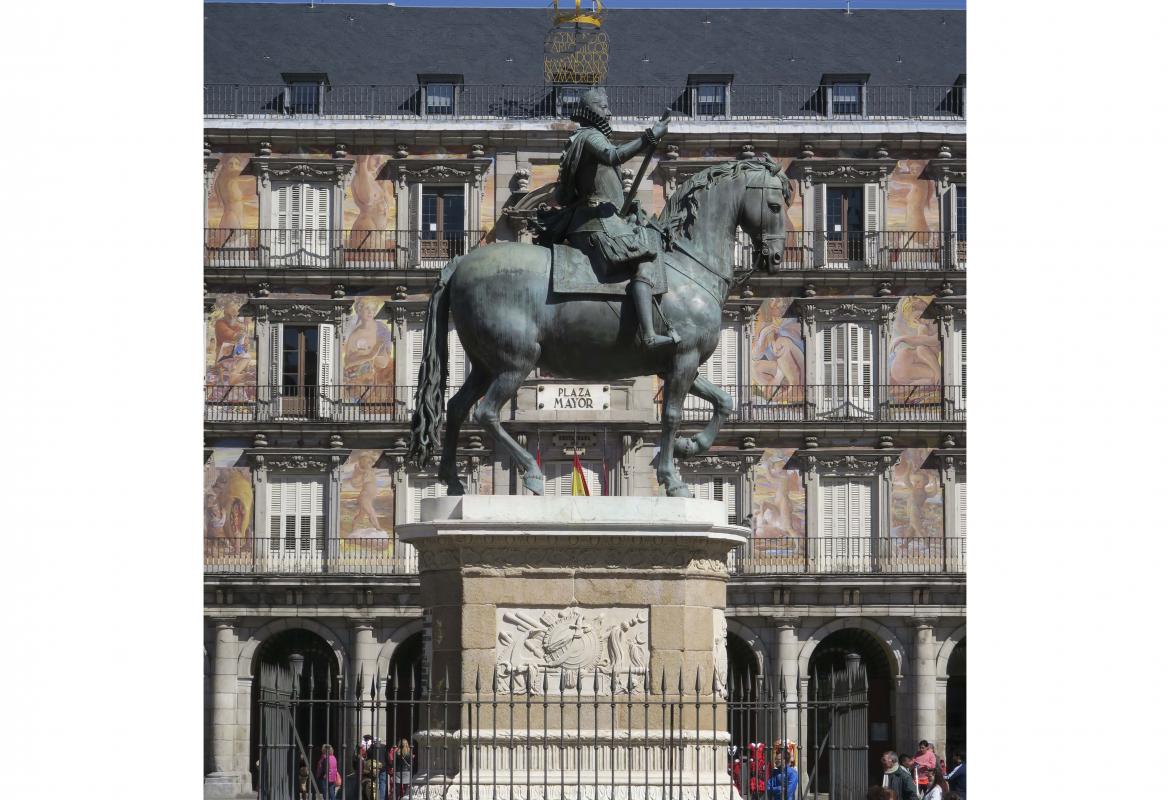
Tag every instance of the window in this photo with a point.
(722, 369)
(441, 223)
(845, 527)
(420, 487)
(961, 212)
(568, 99)
(458, 367)
(711, 100)
(300, 222)
(440, 99)
(847, 370)
(301, 370)
(845, 99)
(558, 478)
(296, 522)
(961, 507)
(960, 355)
(303, 97)
(717, 487)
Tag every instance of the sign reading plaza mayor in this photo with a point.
(573, 397)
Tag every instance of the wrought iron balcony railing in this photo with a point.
(768, 102)
(284, 555)
(849, 555)
(322, 248)
(813, 403)
(897, 251)
(334, 403)
(760, 556)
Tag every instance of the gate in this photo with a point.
(587, 736)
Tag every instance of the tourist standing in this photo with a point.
(898, 778)
(784, 782)
(403, 767)
(938, 787)
(327, 773)
(957, 777)
(925, 761)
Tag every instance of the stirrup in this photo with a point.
(657, 341)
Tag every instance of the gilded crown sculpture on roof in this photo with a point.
(576, 49)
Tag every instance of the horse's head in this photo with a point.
(762, 215)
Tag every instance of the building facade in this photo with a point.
(351, 151)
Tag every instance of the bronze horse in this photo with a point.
(510, 322)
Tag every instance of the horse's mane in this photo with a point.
(683, 206)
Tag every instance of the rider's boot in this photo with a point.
(643, 300)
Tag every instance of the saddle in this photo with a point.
(576, 272)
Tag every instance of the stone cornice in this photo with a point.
(949, 308)
(947, 170)
(405, 171)
(738, 462)
(300, 310)
(824, 461)
(948, 460)
(270, 168)
(307, 460)
(823, 309)
(841, 170)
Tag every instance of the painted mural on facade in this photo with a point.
(227, 504)
(367, 500)
(231, 351)
(911, 204)
(367, 353)
(916, 503)
(778, 506)
(777, 357)
(369, 203)
(233, 202)
(915, 357)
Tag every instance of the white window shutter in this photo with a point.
(296, 207)
(872, 221)
(729, 498)
(457, 367)
(820, 246)
(281, 207)
(419, 488)
(275, 353)
(961, 507)
(414, 347)
(326, 373)
(961, 336)
(275, 500)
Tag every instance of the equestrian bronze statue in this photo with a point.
(578, 310)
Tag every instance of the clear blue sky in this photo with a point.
(857, 4)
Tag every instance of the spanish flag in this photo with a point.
(580, 485)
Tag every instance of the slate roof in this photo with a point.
(254, 43)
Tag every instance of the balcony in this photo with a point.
(356, 250)
(281, 555)
(334, 403)
(762, 102)
(894, 251)
(796, 555)
(812, 403)
(841, 555)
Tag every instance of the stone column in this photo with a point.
(924, 705)
(787, 653)
(940, 734)
(226, 779)
(365, 667)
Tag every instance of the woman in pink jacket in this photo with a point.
(327, 773)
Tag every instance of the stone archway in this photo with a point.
(831, 652)
(894, 649)
(396, 640)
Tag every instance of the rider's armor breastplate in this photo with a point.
(600, 188)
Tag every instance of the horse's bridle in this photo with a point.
(769, 246)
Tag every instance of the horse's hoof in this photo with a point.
(686, 447)
(534, 484)
(455, 489)
(678, 491)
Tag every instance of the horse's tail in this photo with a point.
(426, 421)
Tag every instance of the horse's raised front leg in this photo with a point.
(674, 391)
(689, 446)
(502, 389)
(457, 410)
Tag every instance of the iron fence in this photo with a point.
(332, 403)
(896, 555)
(561, 734)
(833, 403)
(325, 248)
(536, 101)
(305, 555)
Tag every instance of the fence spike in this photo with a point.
(629, 681)
(699, 678)
(596, 682)
(578, 683)
(309, 678)
(544, 682)
(477, 679)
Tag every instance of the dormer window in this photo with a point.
(708, 95)
(304, 92)
(440, 99)
(844, 95)
(439, 94)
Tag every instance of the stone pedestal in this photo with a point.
(583, 642)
